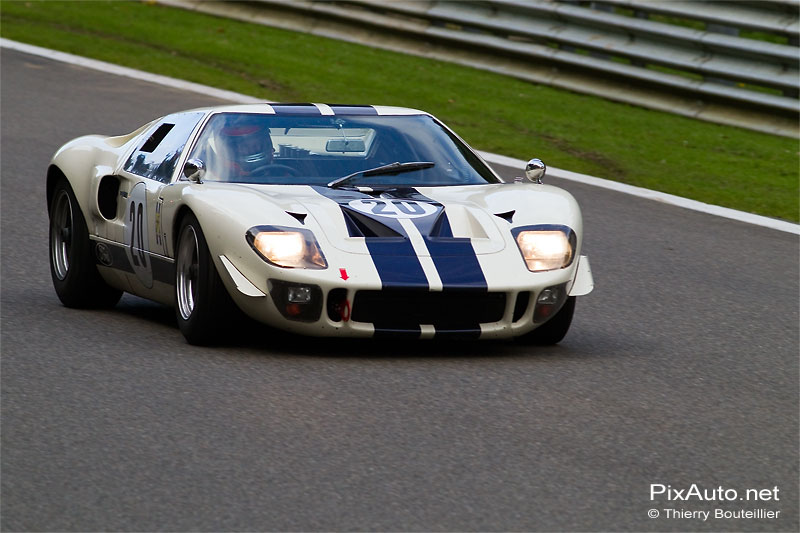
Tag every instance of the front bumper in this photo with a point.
(346, 308)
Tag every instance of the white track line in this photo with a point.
(640, 192)
(110, 68)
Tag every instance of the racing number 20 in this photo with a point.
(395, 208)
(137, 234)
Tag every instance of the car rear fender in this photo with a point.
(83, 162)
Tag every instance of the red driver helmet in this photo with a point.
(247, 143)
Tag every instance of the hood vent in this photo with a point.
(301, 217)
(508, 216)
(360, 225)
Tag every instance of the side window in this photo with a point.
(159, 152)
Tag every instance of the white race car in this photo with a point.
(324, 220)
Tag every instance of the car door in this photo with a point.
(151, 166)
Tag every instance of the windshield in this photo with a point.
(317, 150)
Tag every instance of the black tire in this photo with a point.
(554, 330)
(202, 304)
(76, 280)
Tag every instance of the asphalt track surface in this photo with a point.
(681, 368)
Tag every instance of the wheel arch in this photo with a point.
(177, 220)
(75, 277)
(54, 174)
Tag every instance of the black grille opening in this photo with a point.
(521, 305)
(337, 305)
(447, 310)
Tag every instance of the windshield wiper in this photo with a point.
(392, 168)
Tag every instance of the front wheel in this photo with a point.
(555, 329)
(75, 277)
(201, 301)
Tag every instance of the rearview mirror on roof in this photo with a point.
(345, 145)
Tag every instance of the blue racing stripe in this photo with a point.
(397, 263)
(455, 258)
(458, 334)
(295, 109)
(353, 109)
(394, 258)
(382, 332)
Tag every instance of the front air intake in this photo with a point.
(447, 310)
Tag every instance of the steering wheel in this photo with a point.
(275, 169)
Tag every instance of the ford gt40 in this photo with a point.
(325, 220)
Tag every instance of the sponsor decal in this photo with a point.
(161, 236)
(118, 256)
(103, 254)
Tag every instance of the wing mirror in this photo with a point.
(194, 170)
(535, 170)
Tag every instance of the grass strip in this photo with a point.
(711, 163)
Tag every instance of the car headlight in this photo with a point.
(546, 247)
(287, 247)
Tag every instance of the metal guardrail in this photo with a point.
(697, 58)
(704, 63)
(778, 17)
